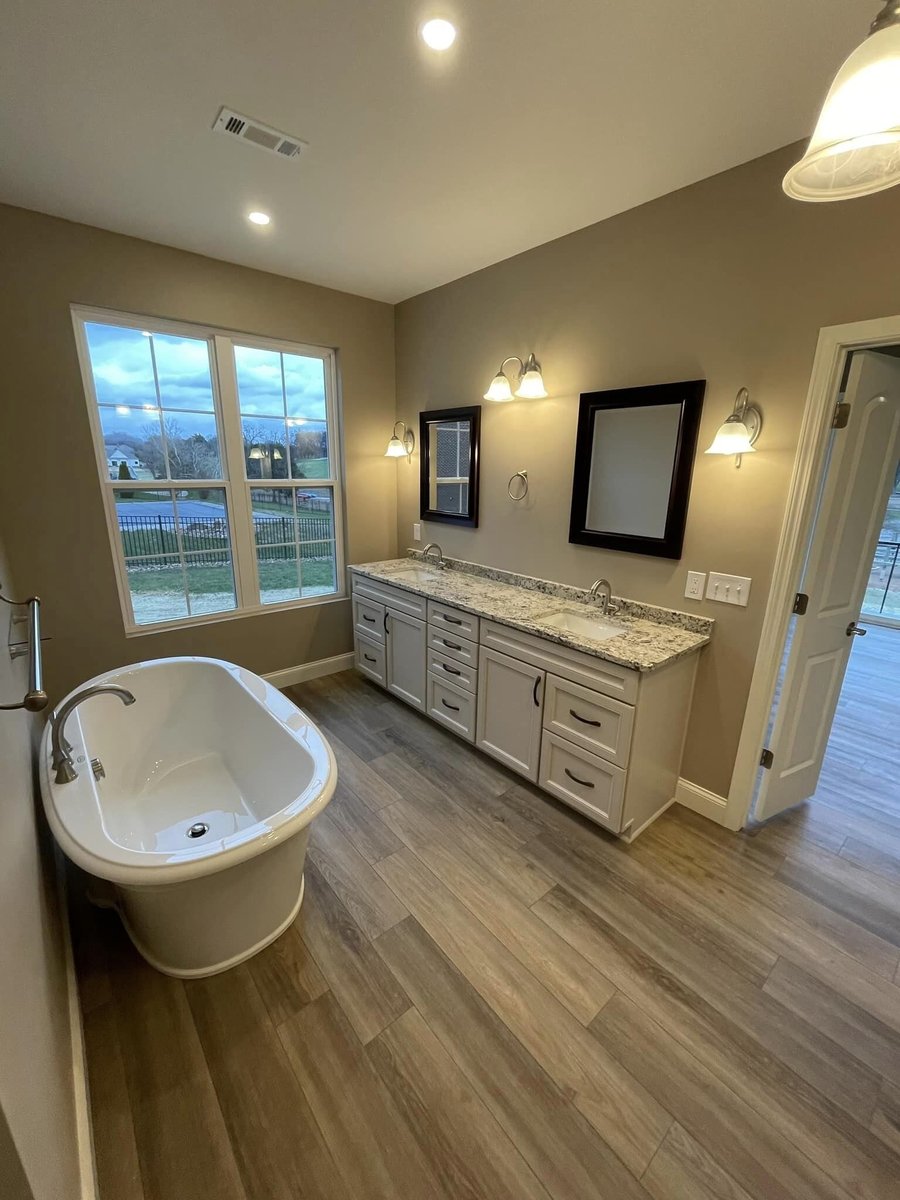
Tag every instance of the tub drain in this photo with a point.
(198, 829)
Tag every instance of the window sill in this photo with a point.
(233, 614)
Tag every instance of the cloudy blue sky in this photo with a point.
(123, 377)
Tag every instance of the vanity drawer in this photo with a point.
(451, 645)
(451, 706)
(370, 658)
(368, 618)
(453, 671)
(391, 597)
(591, 720)
(453, 619)
(584, 781)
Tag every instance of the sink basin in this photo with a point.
(598, 628)
(417, 575)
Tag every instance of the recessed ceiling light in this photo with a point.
(259, 218)
(438, 34)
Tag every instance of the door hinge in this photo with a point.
(801, 604)
(766, 759)
(841, 417)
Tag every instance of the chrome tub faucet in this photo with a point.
(61, 747)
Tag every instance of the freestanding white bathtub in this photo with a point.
(201, 819)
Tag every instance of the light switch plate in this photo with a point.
(728, 589)
(417, 531)
(696, 584)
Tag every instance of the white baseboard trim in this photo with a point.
(311, 670)
(700, 800)
(84, 1133)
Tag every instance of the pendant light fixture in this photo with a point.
(530, 381)
(401, 445)
(855, 148)
(738, 433)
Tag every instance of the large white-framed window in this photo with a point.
(219, 458)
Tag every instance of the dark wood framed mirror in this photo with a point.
(634, 455)
(448, 455)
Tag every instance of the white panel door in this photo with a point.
(510, 705)
(859, 478)
(405, 654)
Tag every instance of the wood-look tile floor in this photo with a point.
(487, 998)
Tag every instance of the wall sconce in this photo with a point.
(737, 435)
(402, 444)
(530, 381)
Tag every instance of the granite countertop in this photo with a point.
(651, 637)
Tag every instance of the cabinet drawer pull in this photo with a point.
(369, 658)
(534, 694)
(451, 645)
(454, 707)
(371, 620)
(386, 630)
(452, 620)
(583, 782)
(584, 720)
(452, 670)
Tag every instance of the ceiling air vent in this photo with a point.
(258, 134)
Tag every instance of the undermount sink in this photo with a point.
(598, 628)
(416, 575)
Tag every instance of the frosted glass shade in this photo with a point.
(733, 437)
(500, 389)
(532, 386)
(855, 148)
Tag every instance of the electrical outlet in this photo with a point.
(728, 589)
(696, 582)
(417, 531)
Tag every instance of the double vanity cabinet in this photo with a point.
(603, 738)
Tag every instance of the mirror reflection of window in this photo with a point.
(448, 473)
(449, 445)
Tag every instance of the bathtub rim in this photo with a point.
(148, 868)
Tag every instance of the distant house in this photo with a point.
(122, 454)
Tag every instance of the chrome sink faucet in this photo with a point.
(602, 590)
(61, 748)
(439, 562)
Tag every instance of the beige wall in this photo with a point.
(37, 1116)
(53, 521)
(726, 280)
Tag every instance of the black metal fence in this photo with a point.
(883, 591)
(147, 537)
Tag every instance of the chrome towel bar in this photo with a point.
(35, 698)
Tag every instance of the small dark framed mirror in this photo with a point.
(634, 454)
(448, 451)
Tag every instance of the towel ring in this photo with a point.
(523, 491)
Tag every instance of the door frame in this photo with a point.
(835, 344)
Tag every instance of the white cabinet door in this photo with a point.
(405, 645)
(510, 702)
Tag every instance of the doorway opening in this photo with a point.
(835, 712)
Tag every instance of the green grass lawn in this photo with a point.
(205, 580)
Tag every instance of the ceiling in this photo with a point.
(543, 118)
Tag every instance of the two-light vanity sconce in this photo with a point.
(529, 386)
(529, 382)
